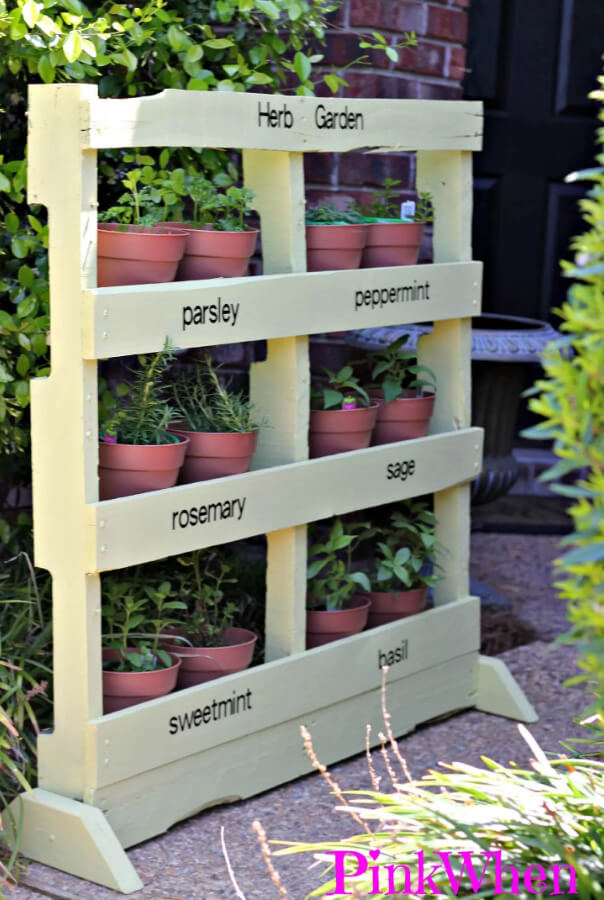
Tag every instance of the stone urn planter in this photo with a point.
(503, 349)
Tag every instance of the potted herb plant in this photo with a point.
(333, 612)
(219, 243)
(137, 452)
(135, 667)
(405, 564)
(218, 424)
(334, 238)
(404, 391)
(342, 415)
(132, 247)
(207, 643)
(391, 239)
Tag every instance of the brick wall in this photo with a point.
(431, 71)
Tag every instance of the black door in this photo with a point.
(533, 62)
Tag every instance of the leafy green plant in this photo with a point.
(386, 204)
(135, 617)
(570, 401)
(338, 387)
(25, 679)
(205, 404)
(209, 612)
(139, 412)
(330, 581)
(408, 550)
(328, 214)
(395, 370)
(478, 820)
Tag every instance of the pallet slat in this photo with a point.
(150, 526)
(186, 722)
(178, 118)
(120, 321)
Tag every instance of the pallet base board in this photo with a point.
(87, 840)
(499, 693)
(73, 837)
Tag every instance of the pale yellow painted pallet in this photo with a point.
(107, 782)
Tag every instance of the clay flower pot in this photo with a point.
(200, 664)
(392, 243)
(402, 419)
(214, 455)
(216, 254)
(388, 607)
(137, 254)
(326, 625)
(122, 689)
(340, 430)
(126, 469)
(334, 246)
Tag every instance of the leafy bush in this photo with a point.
(25, 675)
(571, 401)
(455, 830)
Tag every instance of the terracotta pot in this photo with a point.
(216, 254)
(388, 607)
(126, 469)
(137, 254)
(340, 430)
(214, 455)
(392, 244)
(334, 246)
(122, 689)
(324, 626)
(201, 664)
(402, 419)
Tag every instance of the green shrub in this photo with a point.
(571, 402)
(457, 828)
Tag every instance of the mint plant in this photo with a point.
(328, 214)
(330, 581)
(386, 204)
(338, 388)
(395, 370)
(135, 617)
(206, 573)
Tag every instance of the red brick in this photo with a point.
(427, 58)
(318, 167)
(449, 24)
(386, 87)
(457, 67)
(341, 49)
(464, 3)
(430, 91)
(371, 169)
(395, 15)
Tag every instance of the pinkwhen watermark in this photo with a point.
(461, 870)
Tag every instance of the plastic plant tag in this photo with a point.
(408, 209)
(349, 403)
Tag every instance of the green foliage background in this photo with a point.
(571, 401)
(225, 45)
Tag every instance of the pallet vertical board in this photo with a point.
(98, 792)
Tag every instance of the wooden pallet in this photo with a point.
(107, 782)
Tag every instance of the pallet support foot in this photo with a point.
(499, 693)
(73, 837)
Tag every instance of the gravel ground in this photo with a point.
(187, 862)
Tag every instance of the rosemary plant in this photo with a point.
(204, 404)
(139, 412)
